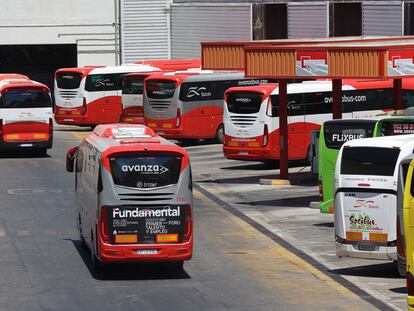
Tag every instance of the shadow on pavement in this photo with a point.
(384, 270)
(130, 271)
(286, 202)
(324, 225)
(399, 290)
(73, 129)
(23, 154)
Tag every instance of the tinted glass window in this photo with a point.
(295, 105)
(369, 161)
(197, 91)
(274, 101)
(147, 171)
(336, 134)
(396, 128)
(408, 98)
(244, 102)
(376, 99)
(68, 80)
(160, 89)
(135, 86)
(25, 99)
(316, 103)
(95, 83)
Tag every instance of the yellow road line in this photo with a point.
(273, 250)
(80, 135)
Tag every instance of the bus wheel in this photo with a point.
(220, 134)
(401, 268)
(309, 156)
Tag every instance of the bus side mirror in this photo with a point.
(70, 159)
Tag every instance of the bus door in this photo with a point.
(296, 127)
(103, 100)
(198, 107)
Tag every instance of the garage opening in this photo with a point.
(39, 62)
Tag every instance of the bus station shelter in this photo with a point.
(352, 58)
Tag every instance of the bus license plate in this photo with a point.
(68, 120)
(243, 153)
(26, 145)
(146, 251)
(368, 248)
(160, 133)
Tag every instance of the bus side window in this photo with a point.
(219, 87)
(408, 98)
(197, 91)
(317, 103)
(274, 101)
(111, 82)
(295, 105)
(376, 99)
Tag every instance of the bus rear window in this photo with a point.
(133, 86)
(21, 98)
(160, 89)
(397, 128)
(68, 80)
(244, 102)
(145, 171)
(336, 134)
(369, 161)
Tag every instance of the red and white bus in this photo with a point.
(189, 105)
(25, 114)
(92, 95)
(251, 116)
(134, 195)
(132, 96)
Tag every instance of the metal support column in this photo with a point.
(397, 94)
(283, 125)
(337, 98)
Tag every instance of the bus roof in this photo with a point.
(133, 75)
(123, 69)
(385, 142)
(13, 76)
(17, 83)
(192, 76)
(172, 64)
(125, 137)
(265, 88)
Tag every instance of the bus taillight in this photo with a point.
(410, 284)
(188, 229)
(104, 225)
(178, 121)
(1, 129)
(84, 106)
(400, 239)
(265, 135)
(50, 129)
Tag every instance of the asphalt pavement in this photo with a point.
(245, 258)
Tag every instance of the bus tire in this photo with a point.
(219, 138)
(309, 156)
(401, 269)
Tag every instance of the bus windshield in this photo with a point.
(149, 171)
(244, 102)
(68, 80)
(22, 98)
(339, 132)
(369, 161)
(160, 89)
(133, 86)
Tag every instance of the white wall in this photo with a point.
(89, 24)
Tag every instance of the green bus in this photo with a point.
(334, 133)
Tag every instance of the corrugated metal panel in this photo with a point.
(270, 63)
(383, 19)
(144, 30)
(355, 63)
(192, 24)
(307, 20)
(226, 56)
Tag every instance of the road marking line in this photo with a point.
(23, 233)
(80, 135)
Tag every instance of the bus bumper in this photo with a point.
(15, 145)
(139, 252)
(71, 120)
(380, 252)
(248, 154)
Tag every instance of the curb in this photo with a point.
(275, 182)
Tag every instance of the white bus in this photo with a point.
(25, 114)
(365, 196)
(134, 195)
